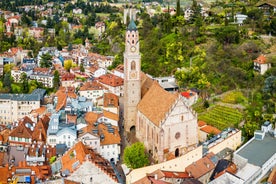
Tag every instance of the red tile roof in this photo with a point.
(201, 123)
(201, 167)
(62, 95)
(77, 153)
(91, 117)
(94, 85)
(210, 129)
(261, 59)
(4, 175)
(40, 130)
(120, 68)
(111, 115)
(21, 131)
(111, 80)
(111, 100)
(67, 77)
(80, 153)
(109, 138)
(170, 174)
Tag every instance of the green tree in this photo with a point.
(8, 67)
(82, 68)
(45, 61)
(227, 35)
(135, 156)
(178, 8)
(7, 81)
(56, 80)
(24, 80)
(68, 64)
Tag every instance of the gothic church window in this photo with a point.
(133, 65)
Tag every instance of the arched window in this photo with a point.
(133, 65)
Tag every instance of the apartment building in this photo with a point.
(16, 106)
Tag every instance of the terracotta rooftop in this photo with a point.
(153, 105)
(40, 130)
(111, 115)
(111, 80)
(5, 174)
(170, 174)
(62, 95)
(14, 50)
(232, 168)
(210, 129)
(93, 68)
(42, 172)
(61, 100)
(66, 181)
(72, 118)
(146, 83)
(77, 153)
(40, 111)
(120, 68)
(201, 167)
(91, 117)
(201, 123)
(111, 100)
(67, 77)
(94, 85)
(21, 130)
(272, 176)
(41, 70)
(261, 59)
(109, 138)
(87, 129)
(80, 153)
(5, 134)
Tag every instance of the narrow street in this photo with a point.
(123, 139)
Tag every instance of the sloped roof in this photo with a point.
(61, 100)
(4, 175)
(111, 115)
(156, 103)
(21, 131)
(91, 117)
(261, 59)
(111, 100)
(94, 85)
(146, 83)
(269, 2)
(201, 167)
(111, 80)
(40, 111)
(40, 130)
(109, 138)
(201, 123)
(77, 153)
(210, 129)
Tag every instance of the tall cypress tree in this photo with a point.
(178, 8)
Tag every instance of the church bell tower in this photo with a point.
(132, 82)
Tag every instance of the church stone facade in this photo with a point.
(161, 120)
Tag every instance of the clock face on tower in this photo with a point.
(133, 75)
(133, 49)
